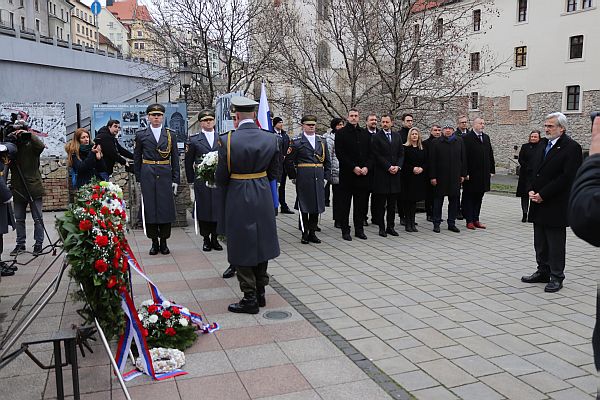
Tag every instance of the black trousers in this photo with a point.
(384, 204)
(207, 228)
(596, 334)
(410, 209)
(281, 190)
(253, 279)
(438, 203)
(359, 200)
(156, 231)
(327, 192)
(471, 205)
(429, 200)
(550, 248)
(310, 221)
(525, 204)
(335, 200)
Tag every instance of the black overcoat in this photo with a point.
(208, 200)
(480, 163)
(526, 155)
(447, 164)
(249, 210)
(112, 151)
(353, 149)
(310, 181)
(385, 155)
(584, 207)
(155, 179)
(6, 213)
(553, 176)
(414, 186)
(87, 166)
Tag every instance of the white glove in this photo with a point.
(174, 185)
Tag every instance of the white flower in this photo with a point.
(183, 322)
(153, 318)
(141, 317)
(147, 302)
(166, 304)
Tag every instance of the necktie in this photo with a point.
(480, 137)
(389, 136)
(548, 147)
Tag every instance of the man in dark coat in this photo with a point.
(557, 161)
(353, 150)
(436, 132)
(6, 214)
(447, 170)
(371, 128)
(248, 159)
(526, 154)
(156, 166)
(480, 168)
(407, 123)
(285, 143)
(112, 150)
(207, 200)
(462, 128)
(308, 163)
(388, 156)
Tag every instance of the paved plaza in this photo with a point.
(444, 316)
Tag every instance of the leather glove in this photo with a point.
(174, 185)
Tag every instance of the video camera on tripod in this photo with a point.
(15, 131)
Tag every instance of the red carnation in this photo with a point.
(145, 332)
(119, 227)
(117, 212)
(175, 310)
(152, 309)
(101, 240)
(112, 281)
(102, 225)
(85, 225)
(101, 266)
(115, 239)
(92, 211)
(166, 314)
(95, 196)
(88, 202)
(123, 214)
(104, 210)
(170, 332)
(97, 187)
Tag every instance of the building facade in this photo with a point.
(137, 19)
(114, 30)
(59, 20)
(84, 30)
(29, 16)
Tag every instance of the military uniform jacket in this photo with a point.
(386, 154)
(208, 200)
(249, 211)
(310, 180)
(155, 179)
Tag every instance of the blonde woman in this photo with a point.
(414, 177)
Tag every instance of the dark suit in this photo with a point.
(112, 151)
(285, 143)
(386, 186)
(480, 167)
(554, 174)
(526, 154)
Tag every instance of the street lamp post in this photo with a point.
(185, 77)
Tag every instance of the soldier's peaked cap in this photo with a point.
(155, 108)
(242, 104)
(206, 114)
(309, 119)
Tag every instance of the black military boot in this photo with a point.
(524, 219)
(304, 239)
(215, 243)
(207, 244)
(312, 237)
(154, 249)
(260, 295)
(247, 305)
(163, 247)
(229, 272)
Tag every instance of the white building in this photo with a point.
(59, 20)
(113, 29)
(26, 15)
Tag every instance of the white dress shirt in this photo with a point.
(156, 132)
(311, 139)
(210, 137)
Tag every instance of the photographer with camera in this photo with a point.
(6, 215)
(85, 160)
(111, 148)
(26, 185)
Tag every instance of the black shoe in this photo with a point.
(553, 286)
(214, 243)
(206, 246)
(19, 249)
(524, 219)
(313, 238)
(304, 239)
(247, 305)
(402, 221)
(276, 212)
(346, 236)
(429, 218)
(361, 235)
(37, 249)
(408, 227)
(459, 216)
(365, 223)
(317, 229)
(414, 227)
(536, 277)
(436, 228)
(229, 272)
(382, 232)
(163, 247)
(337, 225)
(5, 271)
(286, 210)
(327, 204)
(154, 249)
(392, 231)
(260, 297)
(453, 228)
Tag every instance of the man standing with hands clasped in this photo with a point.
(156, 166)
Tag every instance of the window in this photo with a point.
(522, 11)
(37, 25)
(111, 24)
(54, 9)
(475, 57)
(136, 45)
(415, 101)
(322, 9)
(87, 33)
(521, 56)
(78, 41)
(416, 32)
(78, 28)
(323, 55)
(22, 23)
(139, 33)
(576, 47)
(476, 20)
(571, 5)
(586, 4)
(439, 64)
(11, 20)
(20, 3)
(416, 69)
(37, 5)
(142, 46)
(474, 100)
(440, 27)
(573, 98)
(62, 13)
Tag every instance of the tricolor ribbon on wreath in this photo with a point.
(134, 329)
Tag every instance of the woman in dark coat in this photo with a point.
(414, 177)
(85, 160)
(526, 155)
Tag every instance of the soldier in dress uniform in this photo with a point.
(208, 200)
(308, 162)
(156, 167)
(248, 159)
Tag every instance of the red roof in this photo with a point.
(129, 10)
(422, 5)
(104, 40)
